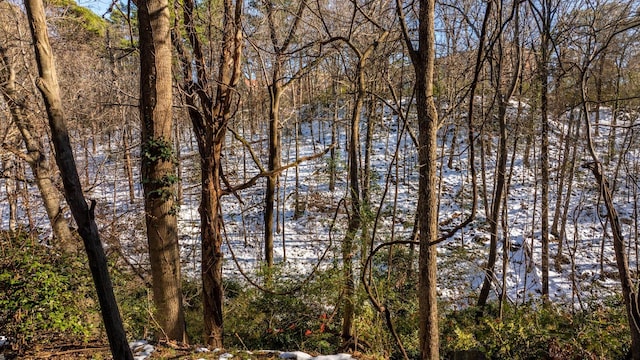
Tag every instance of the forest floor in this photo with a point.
(166, 351)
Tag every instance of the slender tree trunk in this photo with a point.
(178, 147)
(128, 164)
(559, 209)
(11, 188)
(546, 13)
(544, 160)
(35, 158)
(423, 59)
(356, 216)
(333, 162)
(503, 96)
(275, 161)
(368, 149)
(47, 83)
(562, 174)
(495, 206)
(158, 169)
(629, 292)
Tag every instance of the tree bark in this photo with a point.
(544, 23)
(423, 59)
(83, 214)
(158, 168)
(275, 161)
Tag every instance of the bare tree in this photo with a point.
(282, 47)
(505, 84)
(210, 109)
(595, 37)
(355, 220)
(47, 83)
(544, 15)
(35, 155)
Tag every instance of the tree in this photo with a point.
(355, 220)
(282, 48)
(507, 76)
(84, 216)
(544, 15)
(35, 155)
(210, 113)
(595, 38)
(158, 165)
(423, 59)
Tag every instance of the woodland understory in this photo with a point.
(455, 179)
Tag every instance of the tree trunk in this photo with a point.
(333, 162)
(35, 157)
(545, 12)
(495, 206)
(210, 225)
(629, 292)
(423, 59)
(368, 149)
(544, 160)
(158, 169)
(503, 95)
(128, 167)
(209, 119)
(11, 188)
(275, 149)
(355, 220)
(83, 214)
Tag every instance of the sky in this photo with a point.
(97, 6)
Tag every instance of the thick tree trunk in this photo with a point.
(428, 210)
(158, 170)
(51, 200)
(210, 225)
(82, 213)
(209, 119)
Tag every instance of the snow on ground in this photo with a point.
(587, 271)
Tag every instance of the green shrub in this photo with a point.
(297, 320)
(536, 331)
(48, 297)
(43, 295)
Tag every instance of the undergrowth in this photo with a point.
(537, 331)
(48, 298)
